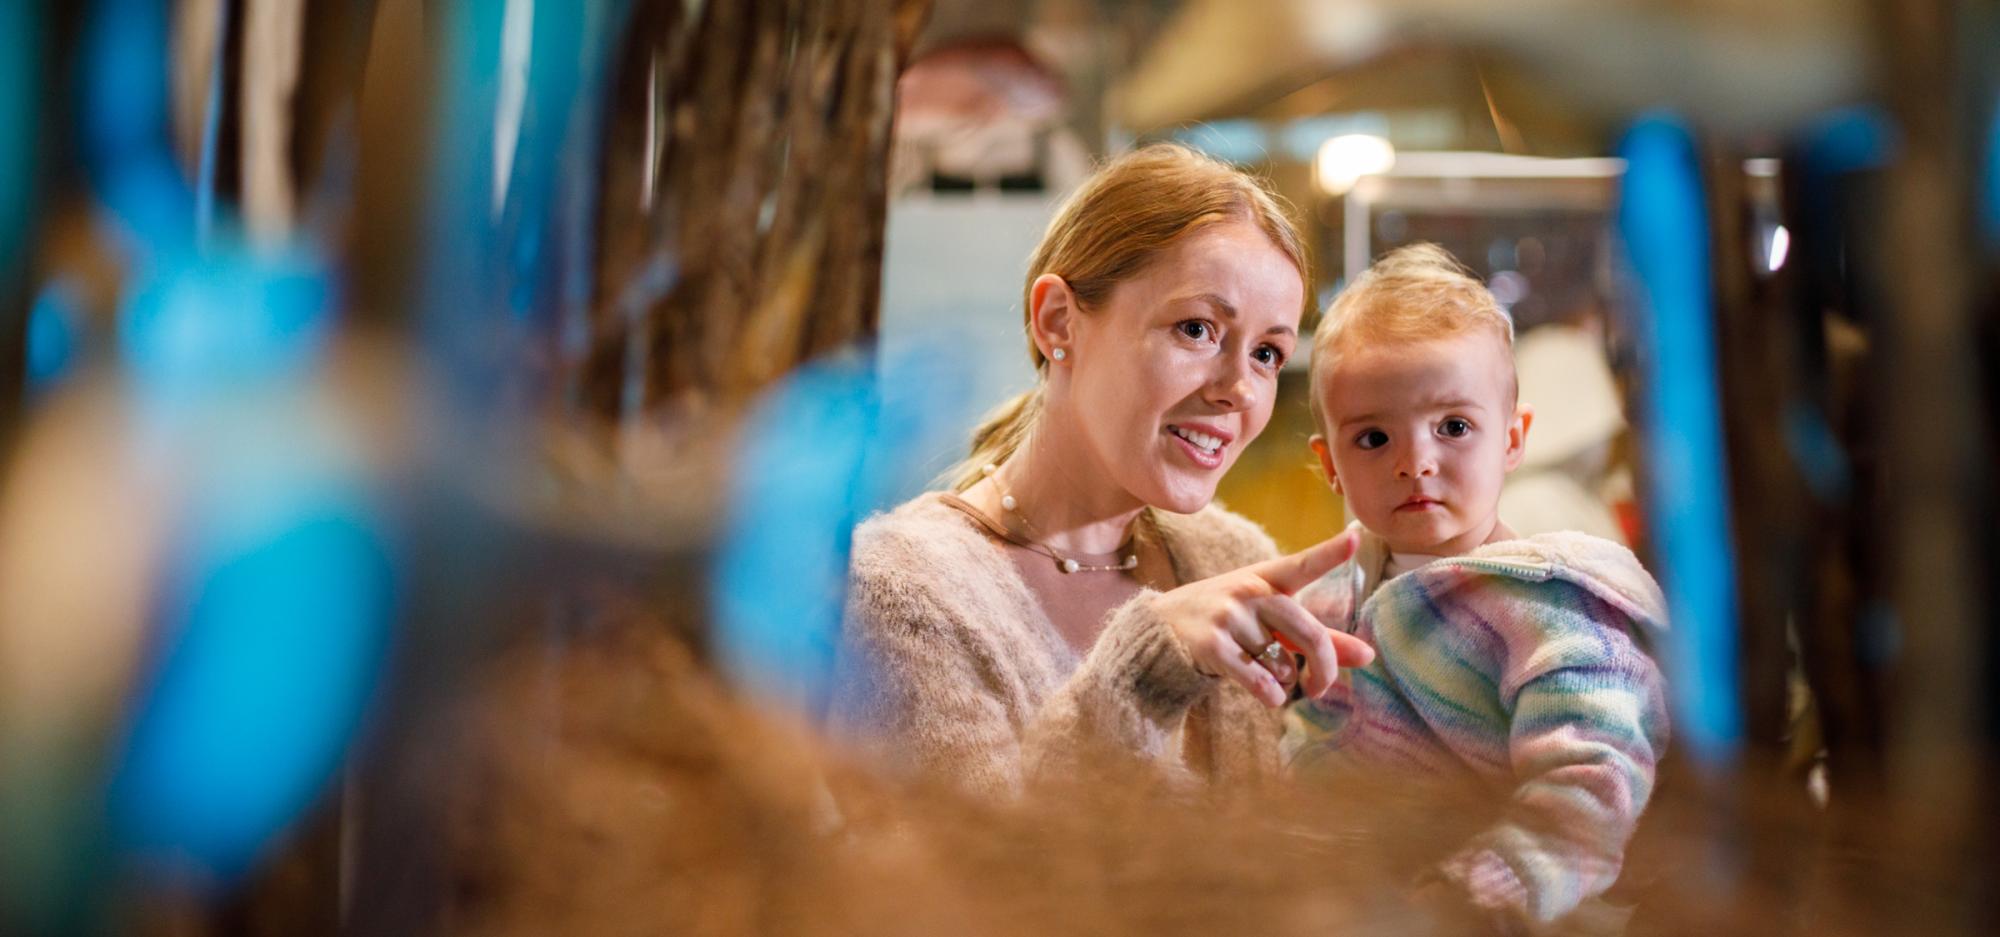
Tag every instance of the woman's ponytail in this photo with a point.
(998, 436)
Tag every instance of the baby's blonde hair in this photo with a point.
(1414, 293)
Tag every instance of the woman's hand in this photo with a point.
(1225, 622)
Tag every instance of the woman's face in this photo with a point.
(1176, 373)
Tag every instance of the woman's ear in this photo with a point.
(1517, 435)
(1052, 315)
(1318, 443)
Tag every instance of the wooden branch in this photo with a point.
(766, 159)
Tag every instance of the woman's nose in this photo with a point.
(1231, 387)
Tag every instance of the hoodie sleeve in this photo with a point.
(1586, 717)
(1312, 725)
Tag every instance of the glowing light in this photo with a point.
(517, 44)
(1781, 245)
(1345, 159)
(1508, 288)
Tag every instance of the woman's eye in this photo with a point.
(1269, 356)
(1372, 439)
(1195, 329)
(1454, 428)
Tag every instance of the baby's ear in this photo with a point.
(1517, 435)
(1319, 447)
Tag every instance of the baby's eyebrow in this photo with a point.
(1442, 403)
(1452, 403)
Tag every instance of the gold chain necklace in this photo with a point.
(1064, 563)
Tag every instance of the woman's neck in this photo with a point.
(1069, 505)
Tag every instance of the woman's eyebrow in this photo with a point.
(1221, 305)
(1229, 311)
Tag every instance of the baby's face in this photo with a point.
(1420, 435)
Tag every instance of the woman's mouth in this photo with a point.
(1203, 447)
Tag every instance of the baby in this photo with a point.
(1515, 666)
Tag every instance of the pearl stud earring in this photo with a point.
(1059, 354)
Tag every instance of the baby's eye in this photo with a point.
(1196, 329)
(1269, 356)
(1372, 439)
(1454, 428)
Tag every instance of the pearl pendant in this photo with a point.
(1069, 566)
(1131, 561)
(1008, 502)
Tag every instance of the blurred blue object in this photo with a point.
(276, 622)
(1849, 140)
(836, 441)
(197, 325)
(1817, 451)
(54, 332)
(513, 185)
(20, 87)
(1989, 179)
(1663, 223)
(1832, 203)
(125, 125)
(274, 618)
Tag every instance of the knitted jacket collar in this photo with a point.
(1605, 569)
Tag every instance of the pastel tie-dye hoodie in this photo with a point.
(1519, 668)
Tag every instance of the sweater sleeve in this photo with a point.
(1128, 699)
(922, 686)
(1587, 723)
(913, 688)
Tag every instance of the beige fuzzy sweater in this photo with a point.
(950, 666)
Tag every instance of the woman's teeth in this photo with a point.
(1202, 441)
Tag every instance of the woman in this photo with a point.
(1077, 592)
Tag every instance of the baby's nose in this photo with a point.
(1418, 466)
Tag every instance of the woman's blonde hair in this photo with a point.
(1411, 294)
(1109, 230)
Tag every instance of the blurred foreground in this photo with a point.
(432, 432)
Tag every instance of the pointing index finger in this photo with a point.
(1289, 574)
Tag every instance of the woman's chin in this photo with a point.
(1182, 495)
